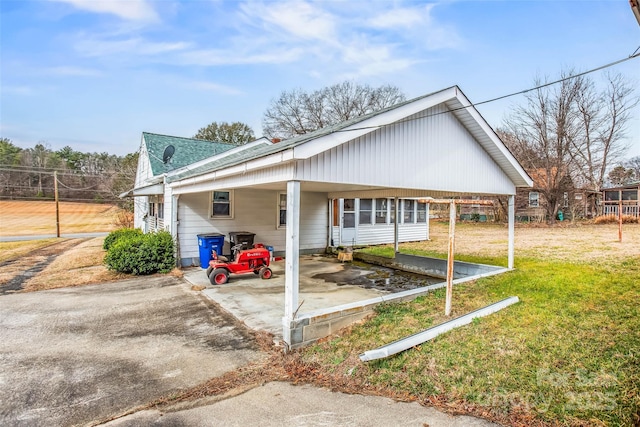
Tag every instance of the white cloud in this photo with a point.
(134, 10)
(401, 17)
(214, 57)
(214, 87)
(295, 18)
(66, 71)
(132, 46)
(18, 90)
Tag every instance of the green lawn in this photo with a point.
(568, 353)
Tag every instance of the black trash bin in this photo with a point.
(241, 237)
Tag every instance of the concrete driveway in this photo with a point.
(79, 355)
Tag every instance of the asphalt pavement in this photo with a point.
(90, 354)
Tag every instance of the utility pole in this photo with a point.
(55, 192)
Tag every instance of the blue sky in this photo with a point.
(95, 74)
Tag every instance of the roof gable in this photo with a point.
(186, 151)
(311, 144)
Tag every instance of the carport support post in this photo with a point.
(450, 258)
(512, 233)
(292, 269)
(395, 225)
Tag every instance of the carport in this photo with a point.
(434, 146)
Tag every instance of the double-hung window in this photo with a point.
(282, 210)
(221, 204)
(534, 199)
(366, 206)
(382, 211)
(408, 211)
(422, 212)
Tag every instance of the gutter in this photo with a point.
(429, 334)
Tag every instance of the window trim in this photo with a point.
(279, 209)
(231, 203)
(411, 212)
(371, 211)
(376, 210)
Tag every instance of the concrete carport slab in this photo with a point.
(79, 355)
(259, 303)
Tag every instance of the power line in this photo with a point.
(636, 54)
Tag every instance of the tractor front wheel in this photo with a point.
(209, 270)
(265, 273)
(219, 276)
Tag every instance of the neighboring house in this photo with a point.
(573, 203)
(625, 196)
(337, 185)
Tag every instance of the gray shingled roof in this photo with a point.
(286, 144)
(187, 151)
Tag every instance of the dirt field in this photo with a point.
(21, 218)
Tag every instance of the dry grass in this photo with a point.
(13, 250)
(579, 242)
(78, 266)
(20, 218)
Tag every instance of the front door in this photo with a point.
(348, 234)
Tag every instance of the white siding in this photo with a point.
(143, 173)
(255, 211)
(431, 153)
(383, 233)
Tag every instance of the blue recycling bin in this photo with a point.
(208, 243)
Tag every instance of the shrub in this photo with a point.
(116, 235)
(123, 219)
(142, 254)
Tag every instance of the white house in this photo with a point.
(341, 184)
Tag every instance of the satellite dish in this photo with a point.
(168, 153)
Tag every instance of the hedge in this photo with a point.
(116, 235)
(141, 254)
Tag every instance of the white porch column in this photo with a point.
(512, 234)
(292, 265)
(330, 233)
(428, 221)
(174, 227)
(395, 225)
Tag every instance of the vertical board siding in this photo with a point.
(255, 211)
(431, 150)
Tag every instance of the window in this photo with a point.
(366, 206)
(160, 210)
(409, 206)
(349, 213)
(152, 209)
(282, 209)
(382, 210)
(422, 212)
(565, 200)
(533, 199)
(221, 204)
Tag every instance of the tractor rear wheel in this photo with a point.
(219, 276)
(265, 273)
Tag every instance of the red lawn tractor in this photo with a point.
(255, 260)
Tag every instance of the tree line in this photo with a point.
(29, 173)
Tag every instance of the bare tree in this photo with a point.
(542, 134)
(236, 133)
(634, 165)
(603, 117)
(297, 112)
